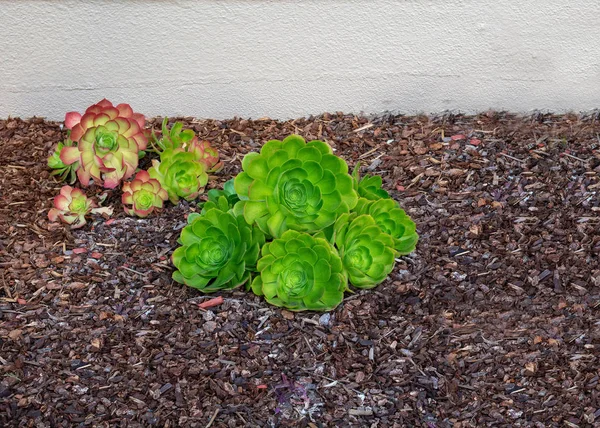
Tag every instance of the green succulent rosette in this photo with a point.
(294, 185)
(366, 251)
(300, 272)
(370, 186)
(218, 251)
(180, 174)
(392, 220)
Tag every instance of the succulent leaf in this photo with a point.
(218, 251)
(224, 199)
(300, 272)
(143, 195)
(294, 185)
(63, 171)
(392, 220)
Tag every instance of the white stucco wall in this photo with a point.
(288, 58)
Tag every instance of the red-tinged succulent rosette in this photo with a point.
(206, 154)
(143, 195)
(109, 140)
(71, 206)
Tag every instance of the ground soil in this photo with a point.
(493, 321)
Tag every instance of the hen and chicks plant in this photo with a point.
(294, 185)
(109, 141)
(293, 226)
(105, 145)
(323, 227)
(72, 205)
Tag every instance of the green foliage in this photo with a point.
(316, 232)
(143, 195)
(368, 187)
(180, 174)
(218, 251)
(223, 199)
(62, 171)
(392, 220)
(175, 138)
(300, 272)
(366, 251)
(294, 185)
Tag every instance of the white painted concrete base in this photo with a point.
(289, 58)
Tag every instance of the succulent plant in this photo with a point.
(366, 251)
(109, 141)
(300, 272)
(392, 220)
(370, 186)
(180, 174)
(175, 138)
(218, 252)
(72, 205)
(294, 185)
(60, 169)
(224, 199)
(206, 154)
(143, 195)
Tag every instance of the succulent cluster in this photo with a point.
(293, 226)
(318, 228)
(105, 145)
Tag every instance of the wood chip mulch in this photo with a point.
(493, 321)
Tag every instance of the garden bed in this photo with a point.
(493, 320)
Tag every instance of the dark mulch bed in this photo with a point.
(494, 321)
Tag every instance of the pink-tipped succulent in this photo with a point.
(206, 154)
(109, 140)
(143, 195)
(72, 205)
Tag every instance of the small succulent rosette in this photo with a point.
(186, 139)
(392, 220)
(71, 206)
(143, 195)
(175, 138)
(109, 142)
(300, 272)
(218, 251)
(367, 252)
(206, 154)
(370, 186)
(180, 174)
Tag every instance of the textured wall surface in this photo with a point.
(288, 58)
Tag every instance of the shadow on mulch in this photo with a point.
(494, 320)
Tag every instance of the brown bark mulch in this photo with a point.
(493, 321)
